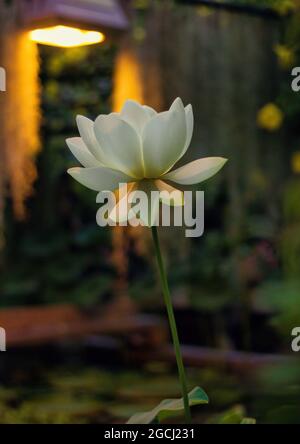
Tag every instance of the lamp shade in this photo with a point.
(106, 15)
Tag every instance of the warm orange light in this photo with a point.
(66, 37)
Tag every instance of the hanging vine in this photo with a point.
(19, 112)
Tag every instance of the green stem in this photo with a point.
(172, 322)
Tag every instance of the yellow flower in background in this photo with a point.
(285, 56)
(139, 34)
(296, 162)
(284, 7)
(270, 117)
(141, 4)
(204, 11)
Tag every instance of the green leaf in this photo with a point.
(169, 406)
(235, 415)
(248, 421)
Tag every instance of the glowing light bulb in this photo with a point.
(66, 36)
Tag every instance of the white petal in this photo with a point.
(86, 131)
(150, 111)
(136, 115)
(81, 152)
(120, 213)
(99, 178)
(149, 216)
(169, 195)
(196, 171)
(120, 144)
(177, 104)
(189, 115)
(164, 139)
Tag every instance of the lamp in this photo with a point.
(69, 23)
(65, 36)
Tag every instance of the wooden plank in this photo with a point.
(230, 360)
(38, 325)
(148, 335)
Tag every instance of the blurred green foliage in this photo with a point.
(282, 7)
(60, 255)
(279, 390)
(86, 394)
(89, 395)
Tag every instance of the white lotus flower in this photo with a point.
(139, 147)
